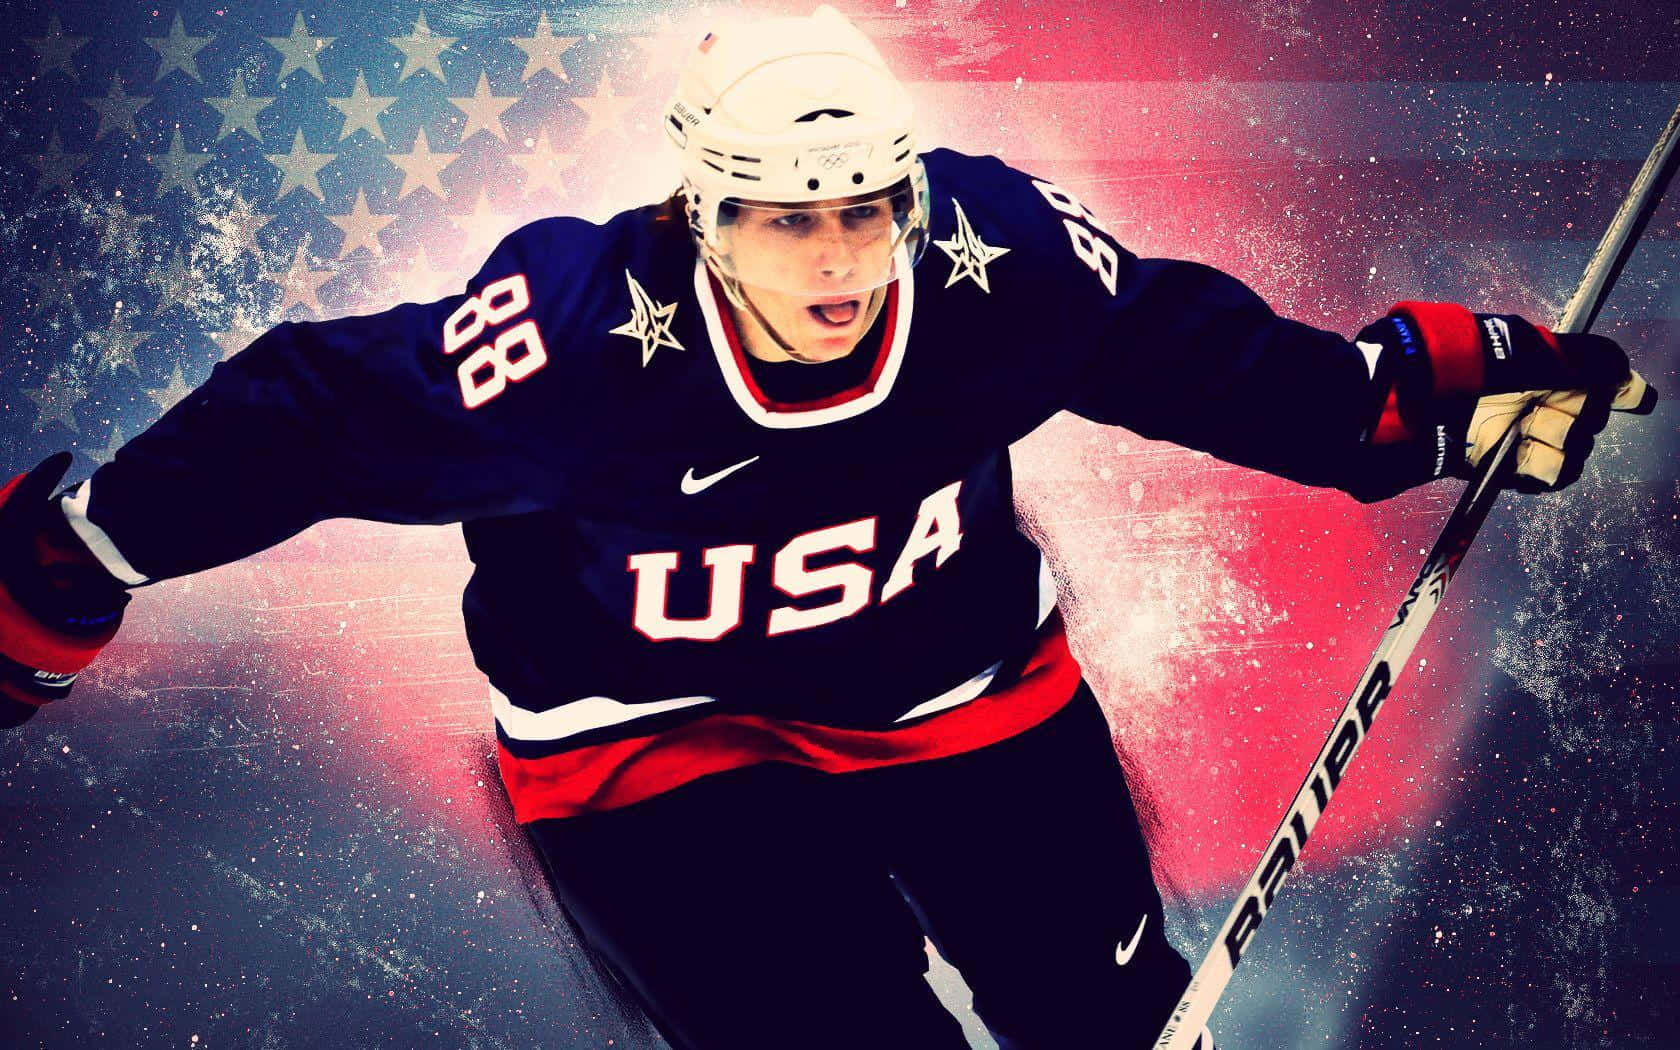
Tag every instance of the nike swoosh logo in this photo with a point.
(692, 484)
(1123, 954)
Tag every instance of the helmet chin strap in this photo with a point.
(738, 296)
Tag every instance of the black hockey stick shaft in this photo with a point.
(1417, 608)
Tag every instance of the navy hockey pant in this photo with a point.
(777, 906)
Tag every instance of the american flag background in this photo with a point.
(269, 814)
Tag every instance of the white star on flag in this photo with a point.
(171, 393)
(178, 50)
(117, 109)
(422, 50)
(300, 49)
(649, 321)
(362, 109)
(56, 49)
(484, 110)
(240, 109)
(421, 168)
(545, 48)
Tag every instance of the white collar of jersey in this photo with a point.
(786, 419)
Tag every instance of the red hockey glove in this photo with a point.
(1438, 359)
(1468, 353)
(58, 605)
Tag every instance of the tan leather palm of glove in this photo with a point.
(1556, 435)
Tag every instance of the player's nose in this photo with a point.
(836, 255)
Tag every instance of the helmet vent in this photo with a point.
(815, 113)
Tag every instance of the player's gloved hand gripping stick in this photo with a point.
(1498, 425)
(1458, 380)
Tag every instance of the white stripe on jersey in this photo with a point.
(962, 694)
(74, 504)
(578, 716)
(1046, 589)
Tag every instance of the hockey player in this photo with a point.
(778, 686)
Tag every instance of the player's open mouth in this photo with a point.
(836, 314)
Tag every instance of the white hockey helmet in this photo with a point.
(796, 122)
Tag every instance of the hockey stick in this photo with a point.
(1416, 609)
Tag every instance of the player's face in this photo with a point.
(815, 272)
(807, 338)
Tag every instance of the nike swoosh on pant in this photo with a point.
(1124, 952)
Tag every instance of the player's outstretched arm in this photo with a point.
(418, 414)
(58, 605)
(1195, 357)
(424, 413)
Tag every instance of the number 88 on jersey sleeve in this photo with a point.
(514, 354)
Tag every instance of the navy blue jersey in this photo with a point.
(677, 573)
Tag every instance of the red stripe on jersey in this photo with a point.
(614, 774)
(726, 318)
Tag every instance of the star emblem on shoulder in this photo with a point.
(650, 321)
(969, 254)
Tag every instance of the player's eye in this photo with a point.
(864, 220)
(793, 221)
